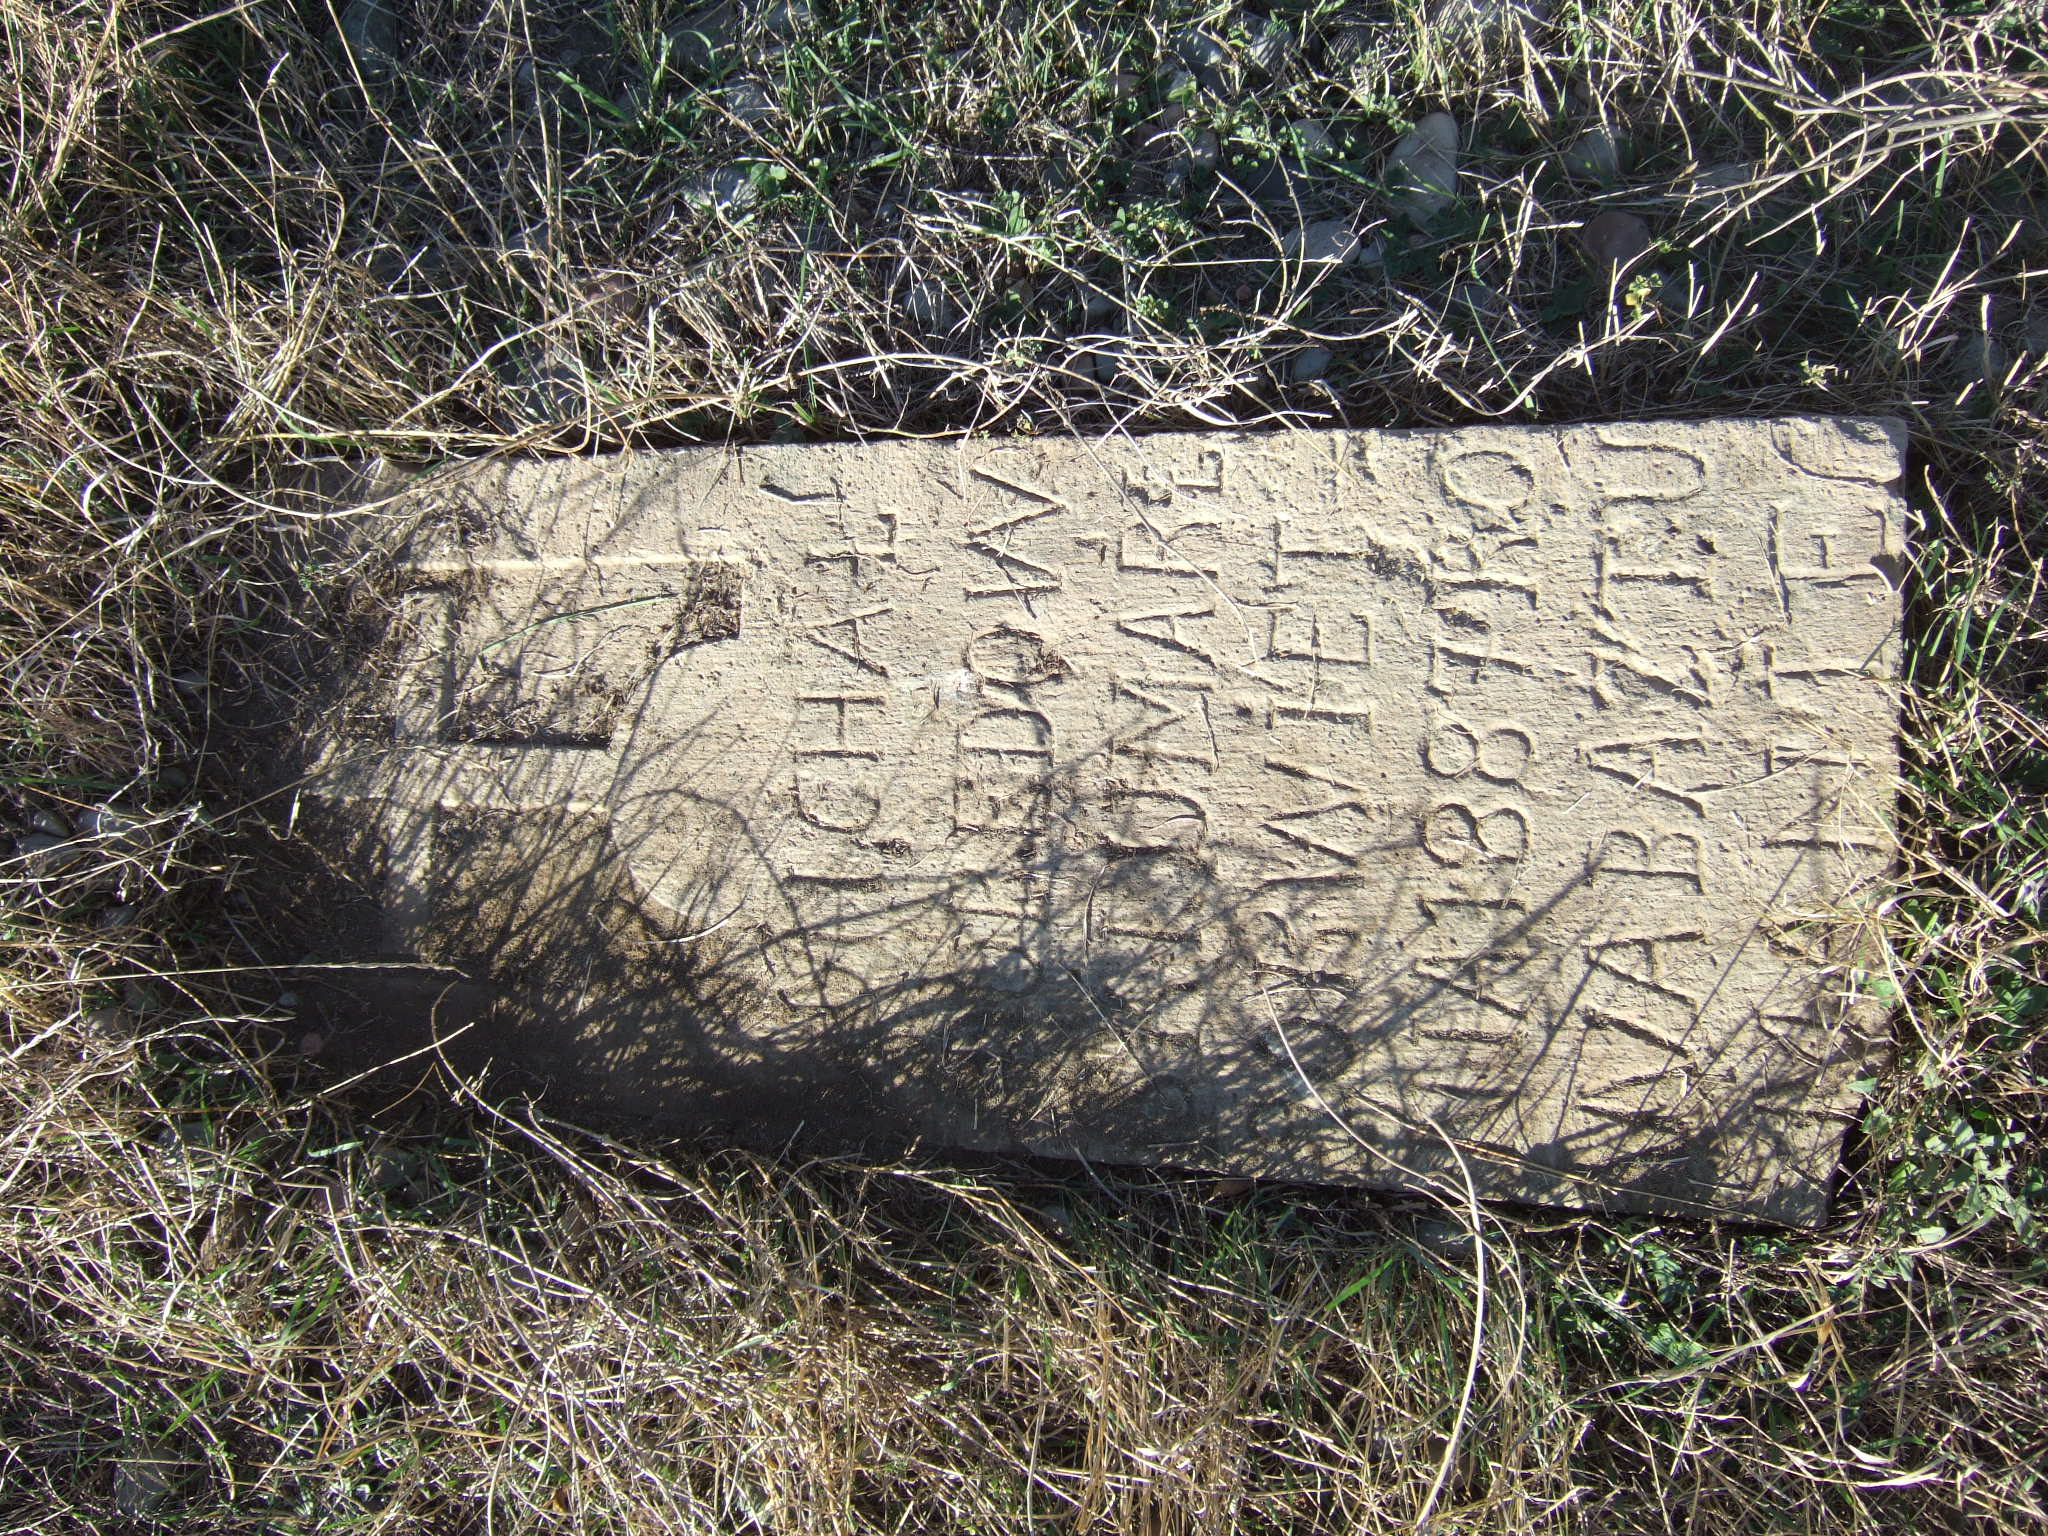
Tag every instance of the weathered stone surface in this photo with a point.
(1422, 169)
(1615, 238)
(1298, 805)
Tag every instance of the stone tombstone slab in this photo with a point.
(1377, 807)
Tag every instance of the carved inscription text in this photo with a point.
(1184, 798)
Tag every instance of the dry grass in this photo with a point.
(230, 252)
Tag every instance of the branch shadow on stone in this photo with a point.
(672, 983)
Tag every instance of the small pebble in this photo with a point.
(726, 189)
(1327, 242)
(930, 307)
(142, 1481)
(786, 19)
(549, 394)
(1309, 364)
(390, 1168)
(50, 822)
(1183, 88)
(1480, 298)
(749, 100)
(1122, 86)
(1423, 169)
(1485, 24)
(1311, 139)
(312, 1042)
(2034, 332)
(1117, 363)
(1269, 45)
(1268, 181)
(109, 1023)
(1099, 362)
(1352, 41)
(1614, 238)
(528, 243)
(1720, 189)
(45, 854)
(612, 296)
(117, 830)
(369, 32)
(1204, 151)
(1198, 50)
(1594, 156)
